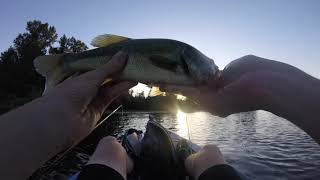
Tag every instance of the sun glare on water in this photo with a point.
(182, 124)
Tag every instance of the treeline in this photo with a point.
(159, 103)
(20, 83)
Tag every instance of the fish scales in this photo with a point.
(150, 61)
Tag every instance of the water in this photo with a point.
(258, 144)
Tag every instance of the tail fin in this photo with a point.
(50, 66)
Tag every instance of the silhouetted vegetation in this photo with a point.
(20, 83)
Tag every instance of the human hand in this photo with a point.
(207, 157)
(80, 101)
(246, 84)
(110, 152)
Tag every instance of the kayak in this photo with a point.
(158, 153)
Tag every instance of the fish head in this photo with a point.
(201, 68)
(164, 61)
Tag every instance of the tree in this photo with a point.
(35, 41)
(10, 56)
(68, 45)
(29, 45)
(19, 81)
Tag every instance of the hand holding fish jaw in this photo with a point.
(82, 99)
(224, 95)
(253, 83)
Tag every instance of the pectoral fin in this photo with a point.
(107, 39)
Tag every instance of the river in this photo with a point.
(258, 144)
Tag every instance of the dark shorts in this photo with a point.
(102, 172)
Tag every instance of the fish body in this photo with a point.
(150, 61)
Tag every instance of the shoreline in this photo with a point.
(136, 111)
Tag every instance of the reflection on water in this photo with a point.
(259, 144)
(182, 127)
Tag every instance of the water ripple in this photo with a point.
(259, 144)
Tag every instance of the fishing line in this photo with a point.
(189, 134)
(103, 120)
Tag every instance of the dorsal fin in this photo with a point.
(107, 39)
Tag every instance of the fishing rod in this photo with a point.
(60, 157)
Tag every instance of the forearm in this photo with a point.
(298, 101)
(29, 136)
(35, 132)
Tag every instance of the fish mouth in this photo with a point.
(199, 67)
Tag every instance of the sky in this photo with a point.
(283, 30)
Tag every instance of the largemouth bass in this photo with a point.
(150, 61)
